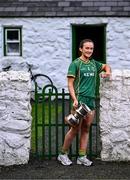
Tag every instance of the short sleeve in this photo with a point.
(98, 66)
(72, 71)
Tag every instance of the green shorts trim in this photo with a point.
(90, 102)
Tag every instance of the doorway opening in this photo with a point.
(97, 33)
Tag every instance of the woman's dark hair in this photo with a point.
(84, 41)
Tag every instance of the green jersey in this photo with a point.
(85, 74)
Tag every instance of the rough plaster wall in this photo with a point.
(115, 116)
(15, 117)
(47, 44)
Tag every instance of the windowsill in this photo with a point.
(13, 54)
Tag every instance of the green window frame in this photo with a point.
(12, 41)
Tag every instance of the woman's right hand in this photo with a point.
(75, 104)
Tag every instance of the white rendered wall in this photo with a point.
(47, 44)
(15, 117)
(115, 116)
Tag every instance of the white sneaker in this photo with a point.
(83, 160)
(64, 159)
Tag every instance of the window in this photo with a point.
(12, 41)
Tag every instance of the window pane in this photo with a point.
(12, 48)
(12, 41)
(12, 35)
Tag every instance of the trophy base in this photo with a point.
(69, 120)
(76, 115)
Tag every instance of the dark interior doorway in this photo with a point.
(95, 32)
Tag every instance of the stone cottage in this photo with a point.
(46, 34)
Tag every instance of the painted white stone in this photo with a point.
(15, 117)
(115, 116)
(47, 44)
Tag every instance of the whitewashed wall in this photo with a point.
(115, 116)
(15, 117)
(47, 44)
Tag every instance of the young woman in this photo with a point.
(82, 76)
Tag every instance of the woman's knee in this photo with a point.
(86, 124)
(75, 130)
(85, 128)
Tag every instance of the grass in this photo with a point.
(39, 119)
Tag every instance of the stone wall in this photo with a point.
(47, 44)
(15, 117)
(115, 116)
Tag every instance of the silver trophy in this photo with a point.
(73, 119)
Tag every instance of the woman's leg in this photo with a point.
(84, 140)
(86, 123)
(69, 137)
(63, 157)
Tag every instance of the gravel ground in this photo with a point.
(51, 169)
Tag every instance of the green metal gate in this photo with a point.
(49, 129)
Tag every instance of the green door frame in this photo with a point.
(74, 39)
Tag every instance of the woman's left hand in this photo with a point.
(105, 75)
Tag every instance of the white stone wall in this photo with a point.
(15, 117)
(47, 44)
(115, 116)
